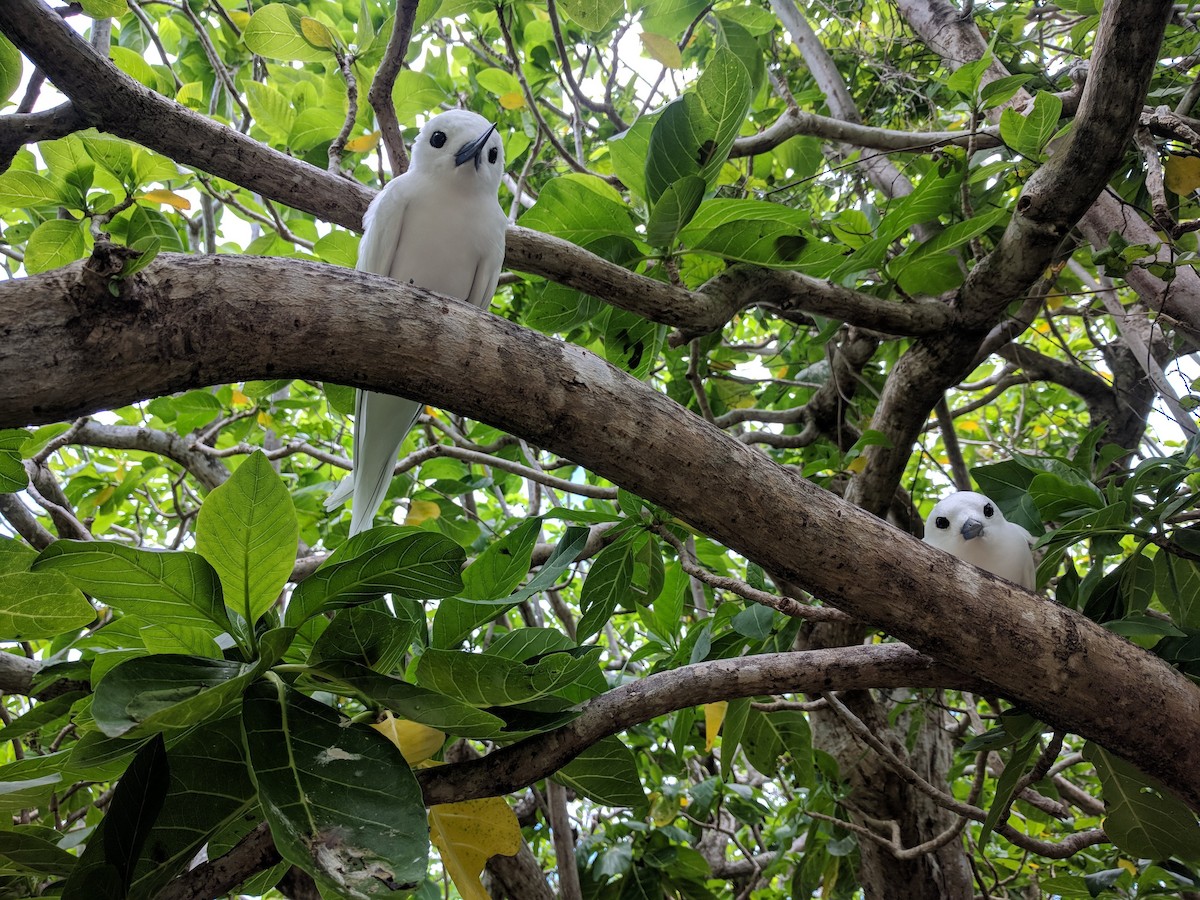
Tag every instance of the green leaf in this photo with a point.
(35, 605)
(1177, 586)
(754, 231)
(485, 680)
(271, 110)
(247, 530)
(415, 93)
(103, 9)
(500, 568)
(135, 806)
(155, 693)
(342, 803)
(594, 15)
(1015, 766)
(631, 342)
(1000, 91)
(694, 133)
(113, 153)
(25, 850)
(671, 17)
(19, 188)
(580, 209)
(770, 736)
(965, 79)
(10, 69)
(607, 773)
(607, 584)
(674, 210)
(365, 635)
(1007, 483)
(274, 31)
(456, 618)
(628, 151)
(210, 788)
(165, 587)
(54, 244)
(404, 562)
(1143, 819)
(406, 700)
(13, 476)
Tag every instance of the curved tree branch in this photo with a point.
(179, 324)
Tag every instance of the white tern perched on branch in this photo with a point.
(438, 226)
(970, 526)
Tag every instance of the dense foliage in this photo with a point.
(205, 647)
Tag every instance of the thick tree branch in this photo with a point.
(180, 324)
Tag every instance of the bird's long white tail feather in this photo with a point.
(381, 423)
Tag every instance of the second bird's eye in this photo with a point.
(492, 155)
(942, 522)
(438, 139)
(988, 510)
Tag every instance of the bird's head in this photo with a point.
(459, 147)
(964, 515)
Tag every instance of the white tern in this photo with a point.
(970, 526)
(438, 226)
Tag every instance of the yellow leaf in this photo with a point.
(663, 810)
(239, 399)
(468, 834)
(714, 717)
(265, 420)
(104, 495)
(512, 100)
(662, 49)
(1128, 867)
(364, 143)
(857, 464)
(417, 742)
(316, 33)
(422, 511)
(967, 425)
(240, 18)
(1182, 174)
(168, 197)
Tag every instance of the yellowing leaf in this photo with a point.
(316, 33)
(967, 425)
(512, 100)
(237, 398)
(265, 420)
(422, 511)
(417, 742)
(662, 49)
(857, 464)
(239, 17)
(1128, 866)
(714, 717)
(468, 834)
(104, 495)
(168, 197)
(364, 143)
(663, 809)
(1182, 174)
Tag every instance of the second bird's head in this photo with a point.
(460, 146)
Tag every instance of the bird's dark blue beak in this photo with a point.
(972, 528)
(473, 150)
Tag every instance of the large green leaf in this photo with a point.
(456, 618)
(580, 209)
(406, 700)
(274, 31)
(405, 562)
(500, 568)
(366, 635)
(694, 133)
(54, 244)
(27, 850)
(247, 531)
(154, 693)
(342, 803)
(485, 680)
(37, 605)
(594, 15)
(10, 69)
(210, 787)
(674, 210)
(608, 582)
(1177, 586)
(13, 476)
(1144, 819)
(607, 773)
(168, 588)
(768, 737)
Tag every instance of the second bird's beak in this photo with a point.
(972, 528)
(473, 150)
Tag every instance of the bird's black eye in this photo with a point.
(438, 139)
(942, 522)
(492, 155)
(988, 510)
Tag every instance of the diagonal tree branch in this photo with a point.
(180, 324)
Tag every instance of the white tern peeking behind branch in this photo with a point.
(438, 226)
(970, 526)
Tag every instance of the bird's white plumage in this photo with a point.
(970, 526)
(438, 226)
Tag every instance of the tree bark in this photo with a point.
(69, 347)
